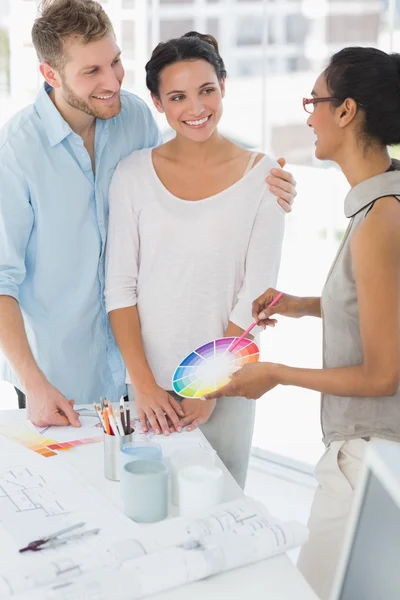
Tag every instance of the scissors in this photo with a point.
(54, 540)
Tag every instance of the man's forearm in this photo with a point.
(126, 328)
(14, 343)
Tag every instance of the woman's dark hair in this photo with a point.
(372, 79)
(191, 46)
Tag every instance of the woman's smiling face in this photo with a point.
(190, 95)
(324, 122)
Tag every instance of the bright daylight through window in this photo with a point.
(273, 51)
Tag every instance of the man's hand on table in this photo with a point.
(47, 406)
(197, 412)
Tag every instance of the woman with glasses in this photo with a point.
(192, 225)
(355, 115)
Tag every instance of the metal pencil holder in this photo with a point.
(112, 447)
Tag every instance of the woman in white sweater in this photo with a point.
(192, 225)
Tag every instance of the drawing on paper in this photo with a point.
(21, 490)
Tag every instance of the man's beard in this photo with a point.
(76, 102)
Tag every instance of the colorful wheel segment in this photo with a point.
(209, 367)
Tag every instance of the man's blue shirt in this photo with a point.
(53, 224)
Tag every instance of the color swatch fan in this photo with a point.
(209, 367)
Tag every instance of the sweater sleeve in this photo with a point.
(122, 251)
(262, 260)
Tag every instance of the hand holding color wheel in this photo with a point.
(210, 367)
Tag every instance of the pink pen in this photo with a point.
(238, 340)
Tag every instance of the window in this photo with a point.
(128, 39)
(249, 68)
(272, 30)
(297, 63)
(173, 29)
(212, 27)
(349, 29)
(296, 29)
(129, 80)
(249, 31)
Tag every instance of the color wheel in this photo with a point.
(209, 367)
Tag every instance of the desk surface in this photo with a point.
(275, 579)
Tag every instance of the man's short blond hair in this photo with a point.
(64, 20)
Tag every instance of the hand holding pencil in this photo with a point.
(256, 322)
(272, 302)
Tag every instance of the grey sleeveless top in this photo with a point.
(344, 418)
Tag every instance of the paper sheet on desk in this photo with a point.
(89, 427)
(178, 551)
(38, 497)
(179, 442)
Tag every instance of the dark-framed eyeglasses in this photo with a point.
(310, 103)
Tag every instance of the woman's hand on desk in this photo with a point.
(47, 406)
(155, 406)
(197, 412)
(252, 381)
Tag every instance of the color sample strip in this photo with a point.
(192, 360)
(226, 343)
(206, 351)
(74, 443)
(184, 371)
(191, 390)
(41, 445)
(238, 364)
(29, 439)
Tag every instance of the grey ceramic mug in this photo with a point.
(144, 490)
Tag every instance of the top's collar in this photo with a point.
(364, 193)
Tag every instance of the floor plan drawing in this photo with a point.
(21, 490)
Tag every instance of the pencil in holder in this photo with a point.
(112, 448)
